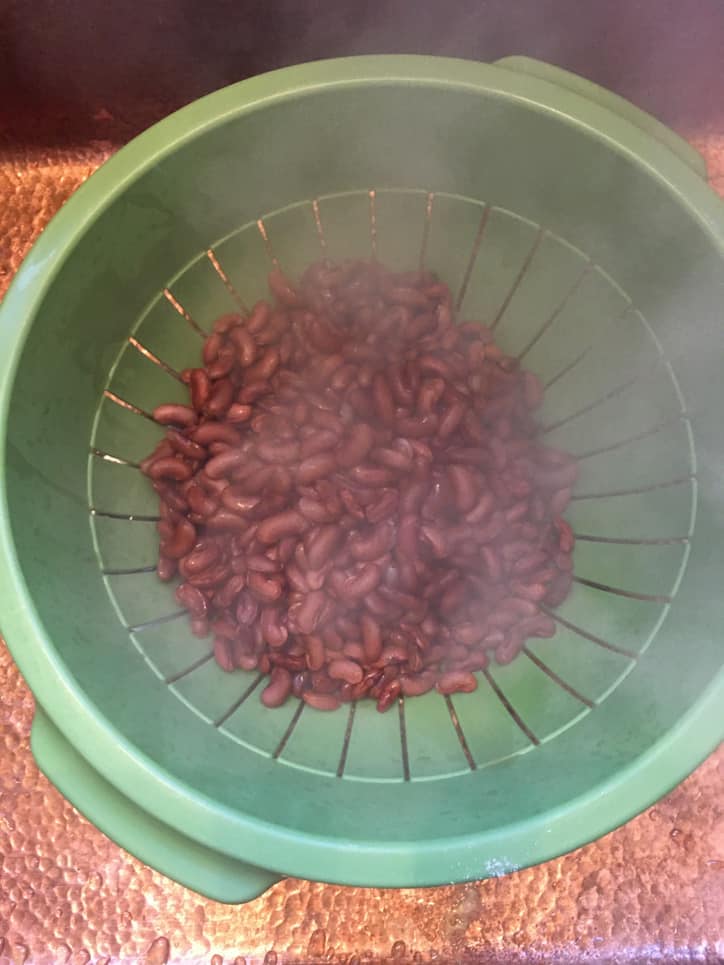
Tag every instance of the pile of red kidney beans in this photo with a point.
(356, 498)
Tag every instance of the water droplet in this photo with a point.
(158, 951)
(21, 954)
(675, 832)
(398, 949)
(217, 960)
(317, 943)
(270, 958)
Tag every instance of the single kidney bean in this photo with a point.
(278, 452)
(200, 386)
(230, 590)
(182, 542)
(321, 544)
(465, 487)
(358, 586)
(200, 559)
(170, 467)
(345, 670)
(274, 528)
(320, 701)
(278, 689)
(308, 612)
(383, 507)
(315, 651)
(245, 346)
(223, 654)
(457, 681)
(263, 369)
(265, 590)
(192, 599)
(237, 501)
(273, 630)
(172, 414)
(258, 317)
(319, 440)
(211, 432)
(220, 398)
(212, 346)
(166, 568)
(315, 467)
(251, 392)
(353, 450)
(372, 546)
(388, 695)
(185, 446)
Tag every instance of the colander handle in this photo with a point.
(156, 844)
(606, 98)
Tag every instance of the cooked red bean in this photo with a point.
(457, 681)
(263, 369)
(416, 685)
(383, 507)
(265, 589)
(237, 501)
(172, 414)
(320, 701)
(221, 465)
(192, 599)
(200, 386)
(215, 432)
(223, 654)
(211, 347)
(274, 528)
(388, 695)
(231, 589)
(315, 467)
(320, 440)
(278, 452)
(321, 544)
(182, 542)
(355, 587)
(307, 612)
(185, 446)
(253, 391)
(465, 487)
(273, 629)
(357, 496)
(373, 545)
(166, 568)
(223, 365)
(260, 315)
(170, 467)
(345, 670)
(245, 345)
(278, 689)
(200, 559)
(355, 447)
(315, 651)
(238, 413)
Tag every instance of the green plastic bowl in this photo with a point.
(580, 226)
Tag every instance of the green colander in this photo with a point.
(584, 232)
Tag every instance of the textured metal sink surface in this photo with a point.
(652, 890)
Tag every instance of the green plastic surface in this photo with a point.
(600, 262)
